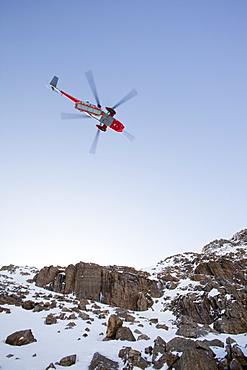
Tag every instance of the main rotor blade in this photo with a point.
(73, 116)
(128, 135)
(95, 143)
(90, 78)
(129, 96)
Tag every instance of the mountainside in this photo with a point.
(187, 312)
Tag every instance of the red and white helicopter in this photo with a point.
(105, 119)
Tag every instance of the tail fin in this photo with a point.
(54, 82)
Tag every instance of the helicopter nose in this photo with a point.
(117, 126)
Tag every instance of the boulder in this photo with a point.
(20, 338)
(114, 323)
(100, 362)
(50, 319)
(28, 305)
(67, 361)
(124, 333)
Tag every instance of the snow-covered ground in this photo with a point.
(86, 336)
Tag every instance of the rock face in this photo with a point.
(21, 338)
(216, 287)
(117, 286)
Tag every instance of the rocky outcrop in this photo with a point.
(216, 290)
(21, 338)
(117, 286)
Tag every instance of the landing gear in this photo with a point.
(111, 111)
(102, 127)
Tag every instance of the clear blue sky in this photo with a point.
(181, 184)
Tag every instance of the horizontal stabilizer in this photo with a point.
(54, 81)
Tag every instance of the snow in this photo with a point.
(213, 292)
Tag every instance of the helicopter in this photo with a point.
(105, 119)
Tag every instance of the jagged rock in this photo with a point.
(114, 323)
(20, 338)
(124, 333)
(196, 359)
(67, 361)
(100, 362)
(50, 319)
(132, 357)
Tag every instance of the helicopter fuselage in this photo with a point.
(105, 119)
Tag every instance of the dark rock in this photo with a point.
(162, 326)
(159, 348)
(214, 343)
(100, 362)
(114, 323)
(50, 319)
(191, 332)
(21, 338)
(132, 357)
(179, 344)
(168, 359)
(231, 325)
(223, 364)
(235, 365)
(124, 333)
(28, 305)
(196, 359)
(68, 360)
(143, 337)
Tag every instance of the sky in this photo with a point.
(181, 184)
